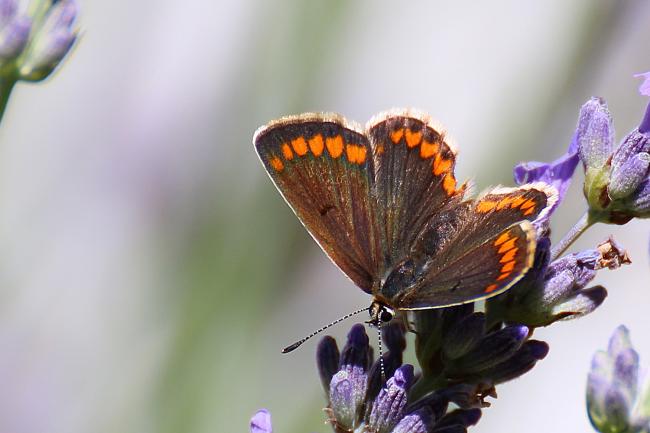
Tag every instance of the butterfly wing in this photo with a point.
(474, 251)
(323, 167)
(414, 177)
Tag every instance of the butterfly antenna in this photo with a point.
(295, 345)
(381, 355)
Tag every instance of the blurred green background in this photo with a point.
(151, 273)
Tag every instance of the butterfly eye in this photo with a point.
(386, 316)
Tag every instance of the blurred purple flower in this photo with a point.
(32, 46)
(51, 41)
(14, 31)
(261, 422)
(614, 400)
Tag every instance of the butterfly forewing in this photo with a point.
(414, 177)
(324, 169)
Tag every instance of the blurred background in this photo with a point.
(150, 273)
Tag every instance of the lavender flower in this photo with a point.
(358, 401)
(32, 45)
(557, 290)
(261, 422)
(617, 182)
(614, 401)
(14, 32)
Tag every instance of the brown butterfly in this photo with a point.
(384, 204)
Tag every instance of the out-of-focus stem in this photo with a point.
(579, 228)
(6, 86)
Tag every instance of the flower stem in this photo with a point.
(579, 228)
(6, 86)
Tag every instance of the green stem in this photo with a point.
(6, 86)
(579, 228)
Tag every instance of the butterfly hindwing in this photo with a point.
(414, 177)
(323, 167)
(483, 271)
(456, 257)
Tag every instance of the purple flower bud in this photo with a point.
(627, 176)
(13, 37)
(356, 350)
(521, 362)
(50, 42)
(416, 422)
(595, 133)
(393, 336)
(464, 336)
(348, 386)
(612, 386)
(640, 202)
(493, 349)
(347, 392)
(560, 293)
(327, 360)
(388, 407)
(392, 361)
(261, 422)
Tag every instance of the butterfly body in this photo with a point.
(384, 204)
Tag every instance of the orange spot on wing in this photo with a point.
(510, 244)
(287, 152)
(440, 165)
(518, 201)
(504, 276)
(316, 145)
(276, 163)
(361, 155)
(299, 146)
(427, 150)
(508, 267)
(529, 211)
(397, 135)
(449, 184)
(504, 203)
(351, 152)
(413, 138)
(501, 239)
(334, 146)
(528, 203)
(491, 288)
(509, 256)
(356, 154)
(486, 206)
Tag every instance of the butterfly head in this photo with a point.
(380, 313)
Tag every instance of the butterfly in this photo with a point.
(384, 204)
